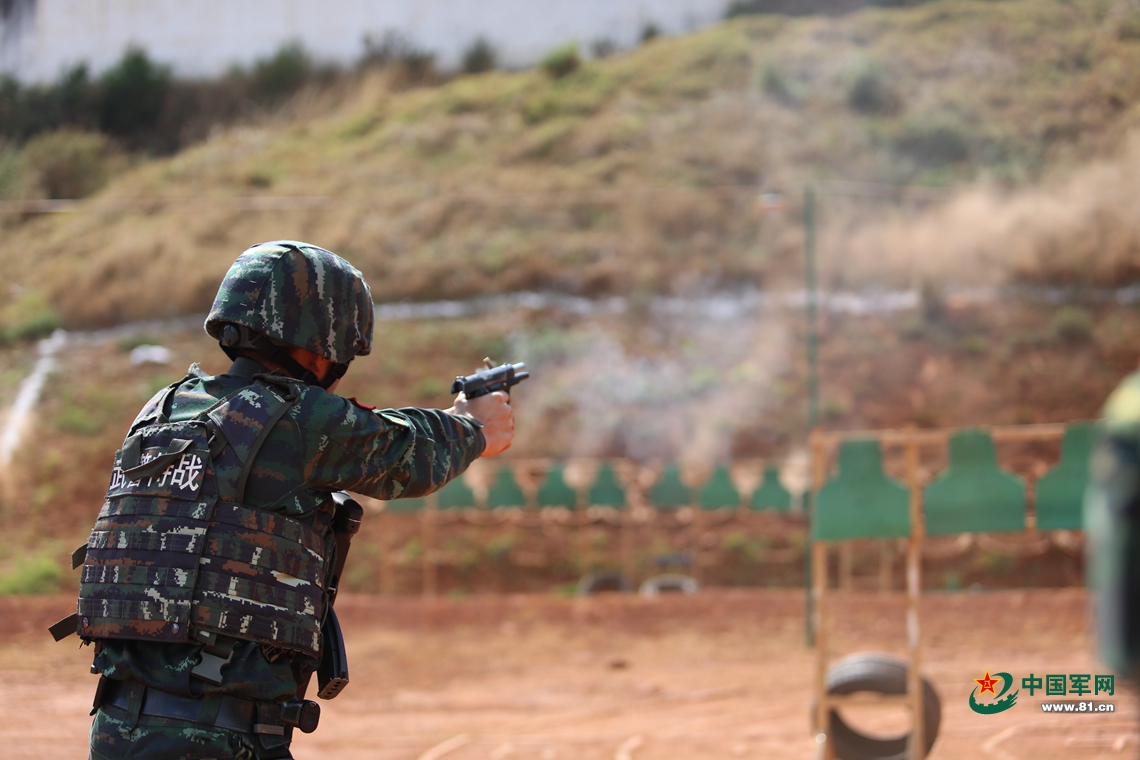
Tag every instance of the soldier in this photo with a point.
(206, 579)
(1112, 520)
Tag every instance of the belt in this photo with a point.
(221, 711)
(233, 713)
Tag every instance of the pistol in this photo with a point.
(490, 379)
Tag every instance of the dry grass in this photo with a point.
(637, 172)
(1082, 228)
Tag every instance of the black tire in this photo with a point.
(882, 674)
(606, 580)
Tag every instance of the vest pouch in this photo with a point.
(262, 578)
(144, 552)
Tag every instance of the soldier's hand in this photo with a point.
(494, 411)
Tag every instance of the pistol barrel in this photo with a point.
(486, 381)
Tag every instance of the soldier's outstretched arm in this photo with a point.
(383, 453)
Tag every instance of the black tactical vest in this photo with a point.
(175, 555)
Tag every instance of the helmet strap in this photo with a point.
(243, 337)
(336, 372)
(278, 355)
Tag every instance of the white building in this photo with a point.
(202, 38)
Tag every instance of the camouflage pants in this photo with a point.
(164, 739)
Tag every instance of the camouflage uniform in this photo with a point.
(323, 443)
(1112, 522)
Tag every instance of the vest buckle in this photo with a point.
(214, 657)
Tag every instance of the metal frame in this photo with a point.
(823, 445)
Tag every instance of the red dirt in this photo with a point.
(721, 674)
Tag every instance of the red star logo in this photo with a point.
(987, 684)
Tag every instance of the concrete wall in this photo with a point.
(38, 38)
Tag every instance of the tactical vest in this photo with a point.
(175, 555)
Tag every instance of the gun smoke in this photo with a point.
(653, 387)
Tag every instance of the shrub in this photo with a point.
(743, 8)
(66, 164)
(27, 111)
(33, 575)
(263, 177)
(36, 325)
(418, 65)
(388, 49)
(27, 317)
(132, 94)
(561, 61)
(871, 92)
(1071, 325)
(650, 32)
(276, 78)
(933, 144)
(75, 97)
(479, 57)
(137, 102)
(394, 48)
(603, 48)
(11, 96)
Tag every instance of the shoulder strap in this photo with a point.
(246, 418)
(156, 410)
(286, 404)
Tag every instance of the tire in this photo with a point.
(667, 582)
(606, 580)
(882, 674)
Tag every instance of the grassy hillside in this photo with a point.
(651, 389)
(639, 174)
(633, 173)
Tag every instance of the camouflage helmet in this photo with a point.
(297, 294)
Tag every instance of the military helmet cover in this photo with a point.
(297, 294)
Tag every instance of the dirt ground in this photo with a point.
(721, 674)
